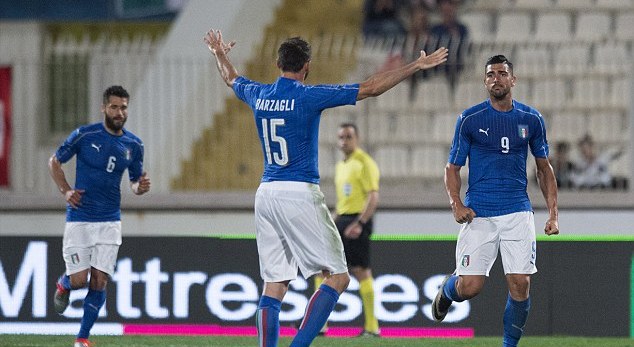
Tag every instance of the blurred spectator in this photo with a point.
(382, 19)
(591, 171)
(562, 165)
(454, 35)
(418, 37)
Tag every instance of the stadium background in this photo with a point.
(204, 160)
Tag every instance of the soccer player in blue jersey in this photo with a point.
(93, 214)
(294, 228)
(495, 136)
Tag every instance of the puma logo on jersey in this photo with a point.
(97, 147)
(486, 132)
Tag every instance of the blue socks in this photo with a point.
(64, 280)
(515, 316)
(267, 320)
(318, 310)
(92, 304)
(450, 290)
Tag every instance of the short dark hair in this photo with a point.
(115, 91)
(499, 59)
(293, 54)
(350, 125)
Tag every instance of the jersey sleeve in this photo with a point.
(245, 89)
(538, 141)
(370, 176)
(461, 144)
(70, 147)
(135, 170)
(325, 96)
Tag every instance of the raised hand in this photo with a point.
(213, 40)
(428, 61)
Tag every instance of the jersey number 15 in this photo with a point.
(269, 134)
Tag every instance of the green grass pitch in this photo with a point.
(222, 341)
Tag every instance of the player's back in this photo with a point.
(287, 115)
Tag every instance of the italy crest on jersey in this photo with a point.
(522, 131)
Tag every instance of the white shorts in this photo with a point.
(91, 244)
(294, 230)
(513, 234)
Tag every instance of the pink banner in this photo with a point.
(5, 124)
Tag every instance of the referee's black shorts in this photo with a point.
(357, 250)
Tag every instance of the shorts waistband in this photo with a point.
(290, 186)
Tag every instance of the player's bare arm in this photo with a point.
(548, 186)
(381, 82)
(141, 186)
(72, 196)
(220, 49)
(461, 213)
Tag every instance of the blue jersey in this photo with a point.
(101, 160)
(496, 144)
(287, 115)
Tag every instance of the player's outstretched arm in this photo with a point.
(220, 49)
(381, 82)
(548, 186)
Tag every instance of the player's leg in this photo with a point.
(267, 318)
(277, 264)
(76, 251)
(519, 253)
(93, 302)
(318, 247)
(476, 251)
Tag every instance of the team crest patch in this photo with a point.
(465, 260)
(74, 258)
(522, 131)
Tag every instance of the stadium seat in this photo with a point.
(621, 93)
(533, 60)
(479, 24)
(574, 4)
(612, 58)
(533, 4)
(433, 94)
(392, 160)
(328, 157)
(552, 27)
(590, 92)
(395, 99)
(567, 126)
(551, 94)
(624, 27)
(569, 59)
(608, 126)
(592, 26)
(469, 93)
(429, 161)
(444, 126)
(513, 27)
(615, 4)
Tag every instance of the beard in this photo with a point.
(499, 94)
(114, 125)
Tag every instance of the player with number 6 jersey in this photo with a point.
(92, 235)
(294, 229)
